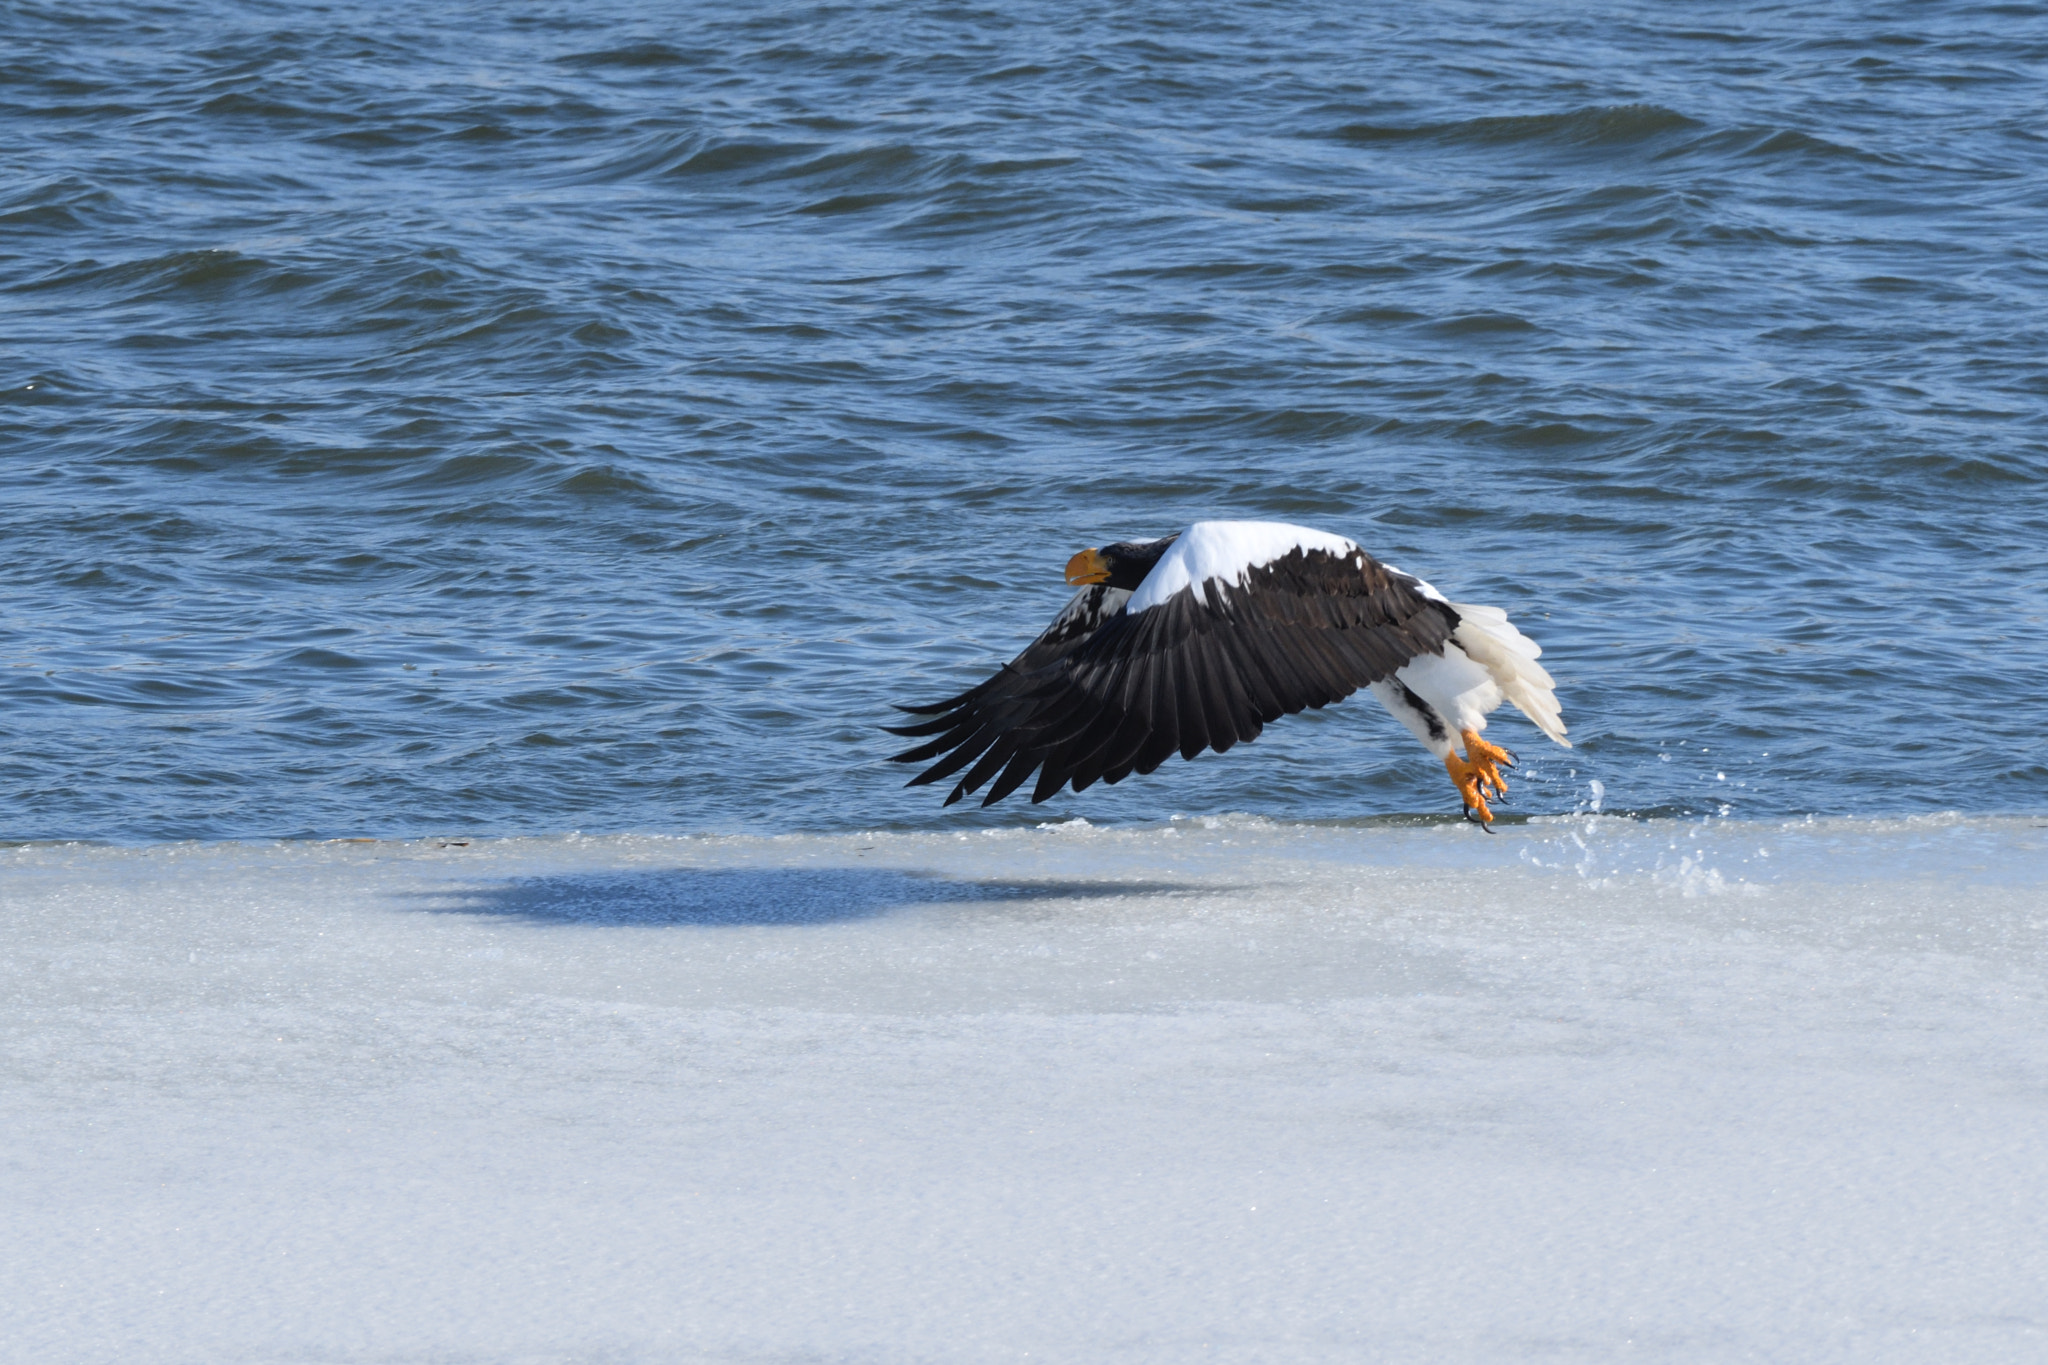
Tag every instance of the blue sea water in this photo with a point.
(461, 416)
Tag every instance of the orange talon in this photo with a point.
(1484, 757)
(1478, 773)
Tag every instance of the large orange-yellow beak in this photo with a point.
(1087, 567)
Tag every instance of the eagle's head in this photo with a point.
(1122, 565)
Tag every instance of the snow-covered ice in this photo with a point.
(1585, 1090)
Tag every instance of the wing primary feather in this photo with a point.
(1234, 708)
(1185, 696)
(931, 708)
(1050, 780)
(1069, 710)
(937, 746)
(1112, 758)
(1070, 762)
(1156, 749)
(1162, 737)
(955, 761)
(1221, 697)
(922, 728)
(1200, 687)
(1256, 669)
(1165, 709)
(990, 763)
(1013, 775)
(1248, 684)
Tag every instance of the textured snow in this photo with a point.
(1581, 1090)
(1226, 550)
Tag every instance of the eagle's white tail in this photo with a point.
(1490, 640)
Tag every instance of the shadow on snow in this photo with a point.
(712, 896)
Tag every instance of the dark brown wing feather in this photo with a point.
(1104, 693)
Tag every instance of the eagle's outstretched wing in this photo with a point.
(1084, 613)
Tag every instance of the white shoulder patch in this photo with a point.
(1227, 550)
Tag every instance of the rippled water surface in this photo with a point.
(540, 417)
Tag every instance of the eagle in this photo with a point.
(1200, 639)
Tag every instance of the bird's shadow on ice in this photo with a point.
(745, 895)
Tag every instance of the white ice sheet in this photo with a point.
(1578, 1091)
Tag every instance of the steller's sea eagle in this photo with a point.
(1198, 640)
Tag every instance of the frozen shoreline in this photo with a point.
(1223, 1090)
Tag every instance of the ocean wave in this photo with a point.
(1790, 144)
(198, 276)
(647, 53)
(1606, 126)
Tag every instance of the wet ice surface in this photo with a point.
(1583, 1090)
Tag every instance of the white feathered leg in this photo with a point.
(1487, 661)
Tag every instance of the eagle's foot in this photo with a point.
(1477, 774)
